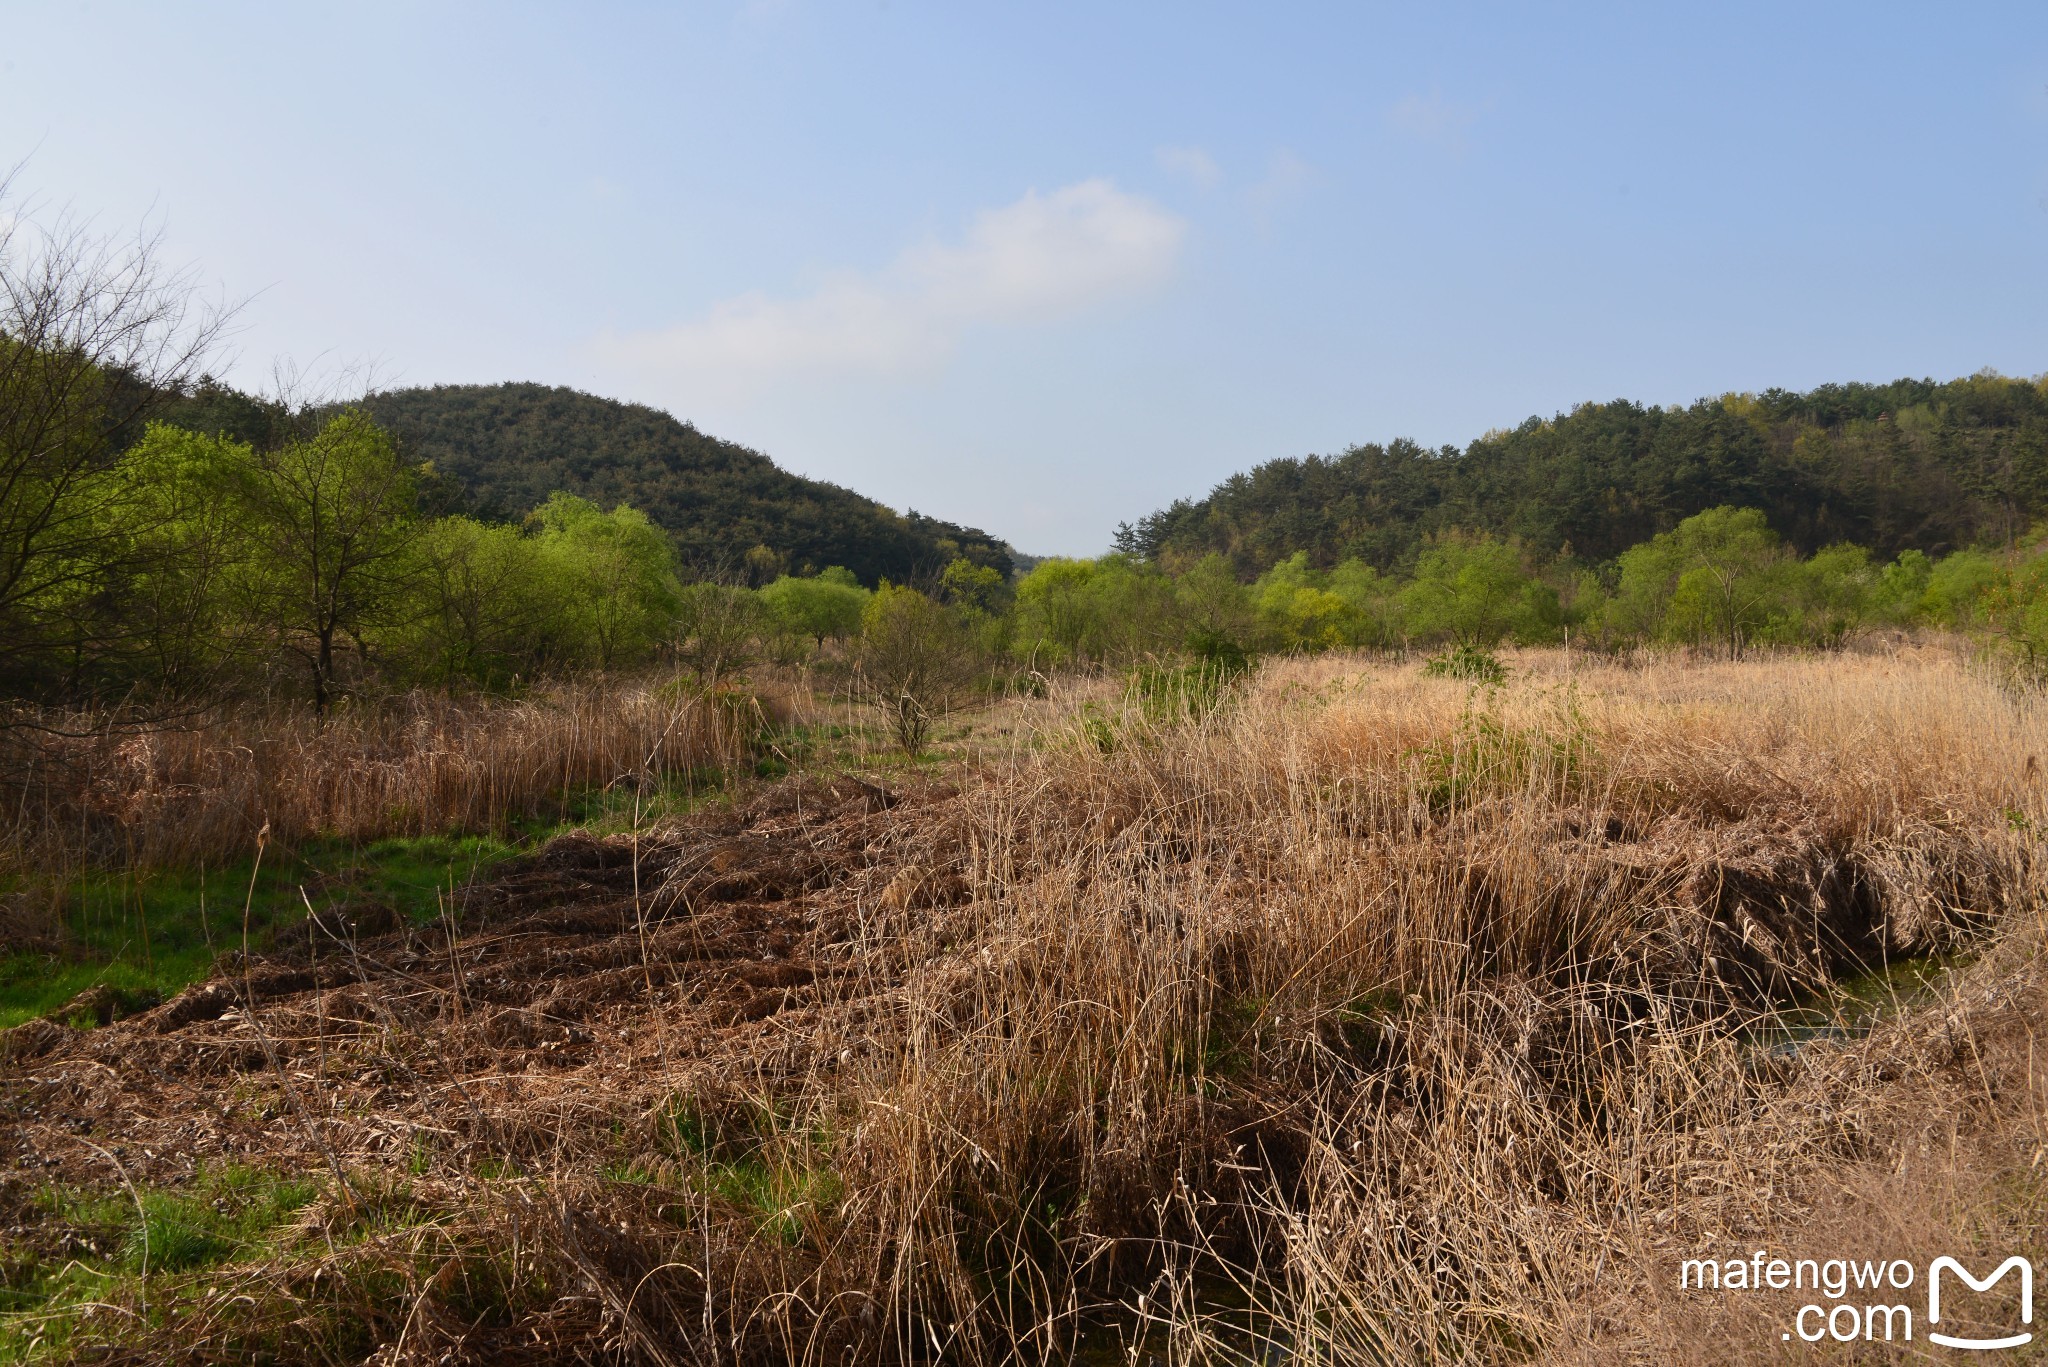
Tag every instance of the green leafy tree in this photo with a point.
(1475, 590)
(1718, 577)
(1210, 603)
(1840, 592)
(918, 661)
(1959, 586)
(180, 536)
(2015, 606)
(1900, 594)
(616, 572)
(982, 588)
(821, 608)
(94, 336)
(1133, 611)
(332, 530)
(1296, 611)
(1371, 601)
(489, 608)
(1585, 604)
(1058, 614)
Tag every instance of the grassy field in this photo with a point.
(133, 855)
(1341, 1014)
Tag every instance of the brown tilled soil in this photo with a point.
(579, 983)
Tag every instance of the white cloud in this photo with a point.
(1433, 119)
(1042, 258)
(1191, 164)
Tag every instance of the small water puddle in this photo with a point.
(1849, 1008)
(1232, 1330)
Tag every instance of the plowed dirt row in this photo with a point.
(588, 979)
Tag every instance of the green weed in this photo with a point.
(1472, 663)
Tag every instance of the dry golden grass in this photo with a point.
(1363, 1018)
(198, 791)
(1483, 963)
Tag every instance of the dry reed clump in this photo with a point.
(166, 795)
(1362, 1017)
(1407, 1010)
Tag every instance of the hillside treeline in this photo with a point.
(204, 566)
(1722, 580)
(498, 450)
(201, 566)
(1911, 464)
(732, 511)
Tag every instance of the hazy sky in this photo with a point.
(1042, 268)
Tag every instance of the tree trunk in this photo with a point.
(323, 670)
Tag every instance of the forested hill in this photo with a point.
(1912, 463)
(509, 446)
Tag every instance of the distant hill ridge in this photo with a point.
(509, 446)
(498, 451)
(1913, 463)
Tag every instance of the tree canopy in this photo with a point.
(731, 510)
(1911, 464)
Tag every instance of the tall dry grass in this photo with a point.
(1361, 1018)
(1372, 1019)
(80, 790)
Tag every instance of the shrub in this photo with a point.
(1170, 692)
(1467, 662)
(918, 661)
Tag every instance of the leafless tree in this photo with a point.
(95, 331)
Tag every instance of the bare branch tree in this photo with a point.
(94, 332)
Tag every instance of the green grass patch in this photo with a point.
(147, 934)
(93, 1247)
(1485, 757)
(1474, 664)
(776, 1195)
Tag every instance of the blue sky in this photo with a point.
(1045, 268)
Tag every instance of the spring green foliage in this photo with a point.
(918, 660)
(311, 552)
(820, 608)
(223, 566)
(1476, 590)
(506, 448)
(327, 534)
(1721, 581)
(486, 599)
(1720, 577)
(978, 588)
(312, 564)
(1892, 467)
(1109, 609)
(614, 576)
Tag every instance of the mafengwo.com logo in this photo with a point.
(1869, 1301)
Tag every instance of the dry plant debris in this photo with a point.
(1363, 1017)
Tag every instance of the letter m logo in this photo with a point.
(2026, 1271)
